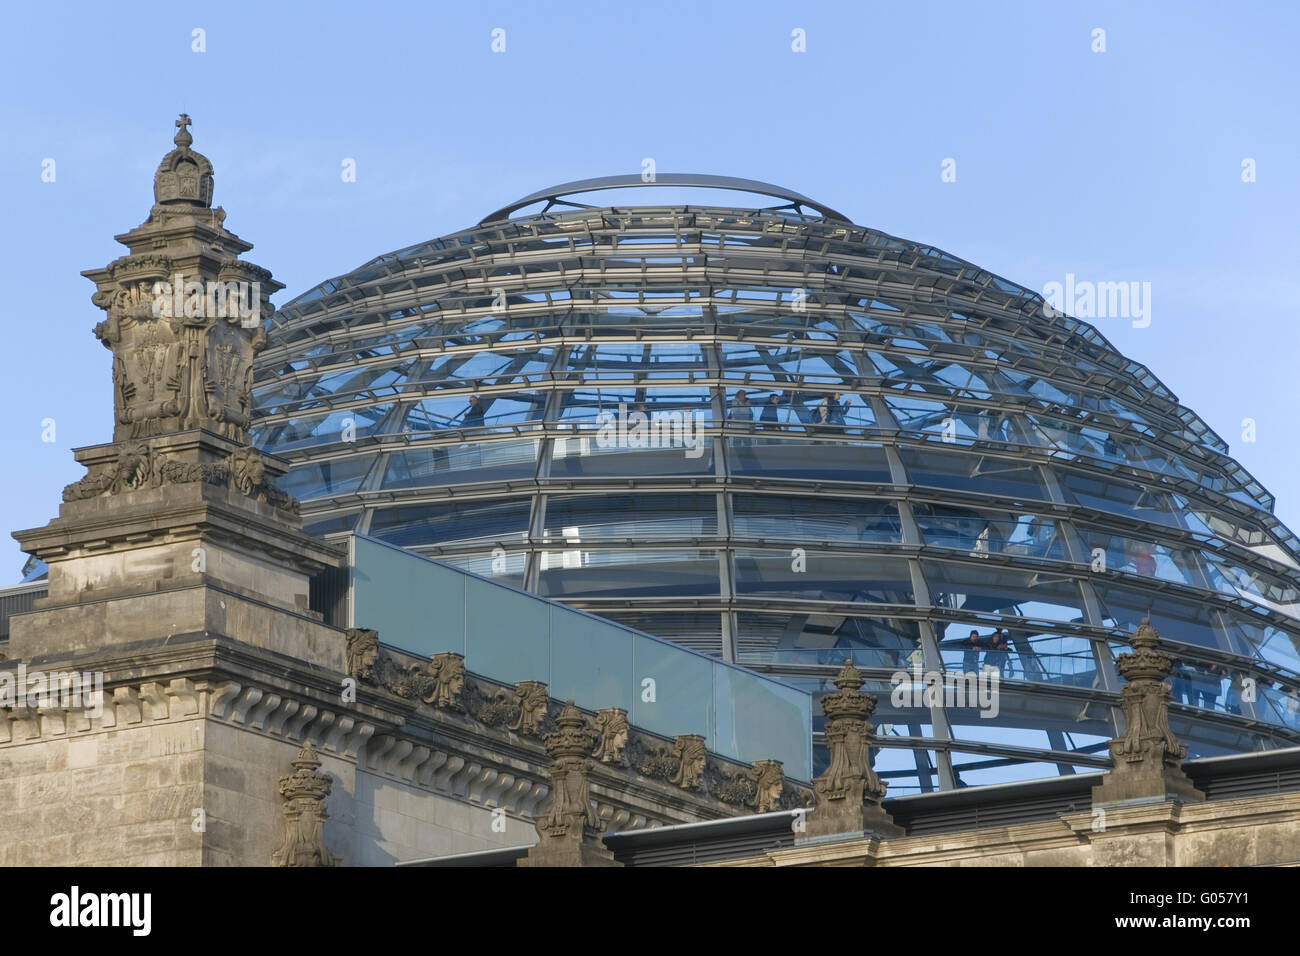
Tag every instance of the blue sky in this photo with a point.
(1117, 166)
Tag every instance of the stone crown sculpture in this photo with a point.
(184, 312)
(184, 320)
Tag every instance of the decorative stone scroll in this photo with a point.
(138, 467)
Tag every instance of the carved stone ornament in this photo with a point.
(571, 813)
(761, 788)
(447, 676)
(490, 708)
(691, 754)
(184, 314)
(612, 727)
(686, 763)
(363, 651)
(848, 793)
(139, 467)
(768, 777)
(530, 699)
(653, 761)
(569, 831)
(1147, 758)
(848, 737)
(304, 792)
(1145, 700)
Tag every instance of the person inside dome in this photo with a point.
(473, 417)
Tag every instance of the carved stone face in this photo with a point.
(363, 652)
(366, 660)
(133, 465)
(450, 676)
(255, 470)
(455, 681)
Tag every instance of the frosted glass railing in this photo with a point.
(428, 607)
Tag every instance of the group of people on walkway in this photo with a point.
(996, 648)
(831, 410)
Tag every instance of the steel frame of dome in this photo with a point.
(554, 196)
(999, 467)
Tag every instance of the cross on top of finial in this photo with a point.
(183, 137)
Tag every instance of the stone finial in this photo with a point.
(768, 778)
(183, 139)
(569, 831)
(531, 698)
(568, 748)
(691, 754)
(613, 728)
(447, 673)
(1146, 758)
(183, 176)
(363, 652)
(848, 793)
(304, 792)
(184, 314)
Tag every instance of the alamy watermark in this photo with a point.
(642, 429)
(1085, 299)
(74, 690)
(213, 299)
(977, 690)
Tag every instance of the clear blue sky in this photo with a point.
(1123, 165)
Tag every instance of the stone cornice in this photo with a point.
(185, 512)
(438, 751)
(1074, 831)
(653, 765)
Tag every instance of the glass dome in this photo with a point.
(783, 439)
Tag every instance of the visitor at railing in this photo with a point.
(741, 410)
(970, 662)
(998, 652)
(473, 415)
(830, 411)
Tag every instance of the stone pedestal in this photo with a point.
(183, 533)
